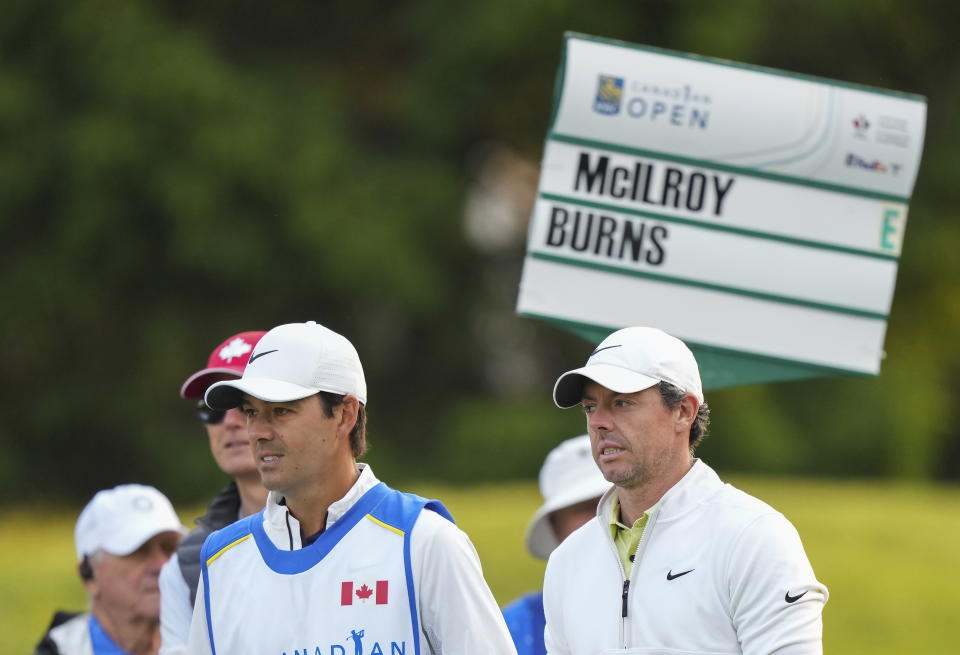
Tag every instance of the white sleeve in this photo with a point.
(175, 609)
(457, 610)
(198, 641)
(776, 601)
(553, 634)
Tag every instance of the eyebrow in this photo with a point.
(596, 398)
(284, 403)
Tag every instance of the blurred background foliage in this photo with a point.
(174, 172)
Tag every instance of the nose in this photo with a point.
(235, 419)
(157, 557)
(258, 428)
(598, 420)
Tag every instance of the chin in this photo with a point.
(272, 483)
(149, 607)
(238, 469)
(625, 479)
(611, 475)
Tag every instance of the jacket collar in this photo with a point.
(698, 483)
(284, 529)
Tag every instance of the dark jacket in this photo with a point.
(223, 510)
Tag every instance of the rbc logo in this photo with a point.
(609, 95)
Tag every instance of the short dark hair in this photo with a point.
(671, 397)
(358, 435)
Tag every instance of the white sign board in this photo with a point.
(754, 213)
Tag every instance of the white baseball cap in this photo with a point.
(291, 362)
(122, 519)
(568, 476)
(630, 360)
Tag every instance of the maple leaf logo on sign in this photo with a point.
(236, 348)
(364, 592)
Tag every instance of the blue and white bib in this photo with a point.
(351, 592)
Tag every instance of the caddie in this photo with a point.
(337, 563)
(675, 561)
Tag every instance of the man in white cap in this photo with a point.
(242, 496)
(571, 486)
(337, 562)
(123, 537)
(675, 561)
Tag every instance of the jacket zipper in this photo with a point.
(289, 531)
(625, 594)
(626, 583)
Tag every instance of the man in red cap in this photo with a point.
(244, 495)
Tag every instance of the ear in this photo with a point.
(87, 578)
(349, 410)
(687, 413)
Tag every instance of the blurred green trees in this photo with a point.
(174, 172)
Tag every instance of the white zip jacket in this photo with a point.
(716, 572)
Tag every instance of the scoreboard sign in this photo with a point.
(754, 213)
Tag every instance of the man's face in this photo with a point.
(231, 445)
(635, 438)
(294, 443)
(126, 587)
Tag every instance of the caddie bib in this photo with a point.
(351, 592)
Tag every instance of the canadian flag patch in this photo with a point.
(349, 590)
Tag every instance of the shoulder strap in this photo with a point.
(400, 510)
(215, 543)
(223, 537)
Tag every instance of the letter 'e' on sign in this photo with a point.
(754, 213)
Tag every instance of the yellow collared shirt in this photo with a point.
(626, 538)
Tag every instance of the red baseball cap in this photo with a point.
(226, 362)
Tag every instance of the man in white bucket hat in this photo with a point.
(337, 561)
(675, 560)
(571, 486)
(123, 537)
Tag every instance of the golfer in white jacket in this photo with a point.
(676, 561)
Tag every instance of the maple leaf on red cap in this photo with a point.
(364, 592)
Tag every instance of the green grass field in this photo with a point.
(887, 552)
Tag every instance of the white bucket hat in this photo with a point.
(122, 519)
(630, 360)
(568, 476)
(291, 362)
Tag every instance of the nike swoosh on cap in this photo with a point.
(604, 348)
(259, 355)
(793, 599)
